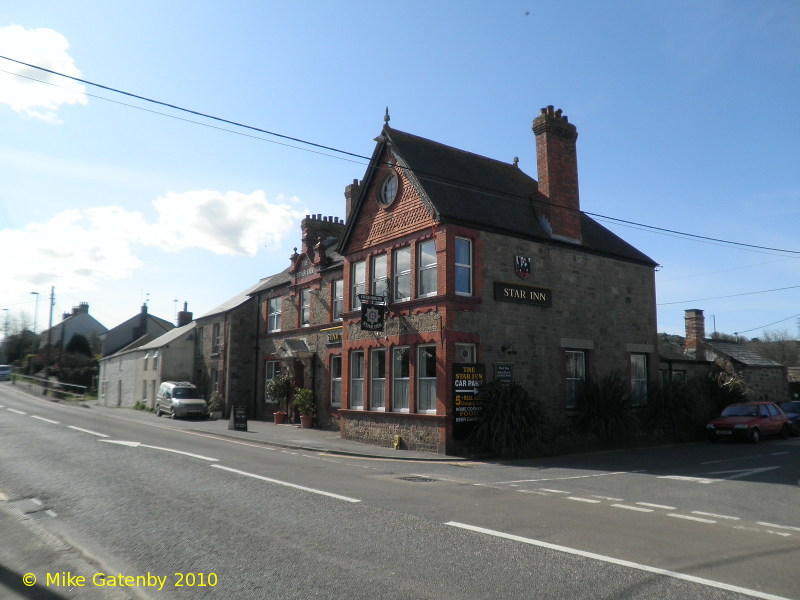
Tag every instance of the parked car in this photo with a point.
(749, 421)
(180, 399)
(792, 411)
(5, 373)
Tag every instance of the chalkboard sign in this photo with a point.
(238, 420)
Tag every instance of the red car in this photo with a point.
(749, 421)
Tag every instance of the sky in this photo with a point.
(688, 115)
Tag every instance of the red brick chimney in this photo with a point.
(557, 162)
(695, 333)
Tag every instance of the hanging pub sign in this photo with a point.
(467, 408)
(373, 312)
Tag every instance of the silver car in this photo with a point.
(180, 399)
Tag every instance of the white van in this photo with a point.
(180, 399)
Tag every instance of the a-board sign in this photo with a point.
(467, 408)
(238, 420)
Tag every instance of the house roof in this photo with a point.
(234, 302)
(472, 190)
(741, 354)
(273, 281)
(171, 335)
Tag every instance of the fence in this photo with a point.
(50, 386)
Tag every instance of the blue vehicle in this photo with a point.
(5, 373)
(792, 410)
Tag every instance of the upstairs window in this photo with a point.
(216, 339)
(305, 308)
(274, 314)
(358, 282)
(402, 274)
(426, 268)
(463, 263)
(338, 299)
(575, 368)
(380, 281)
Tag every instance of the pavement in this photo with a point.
(27, 547)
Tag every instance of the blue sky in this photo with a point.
(687, 114)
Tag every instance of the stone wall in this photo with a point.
(417, 433)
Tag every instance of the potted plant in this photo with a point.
(215, 405)
(305, 405)
(280, 388)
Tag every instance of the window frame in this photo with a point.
(274, 314)
(572, 381)
(356, 284)
(425, 269)
(398, 275)
(376, 279)
(216, 338)
(271, 369)
(404, 381)
(305, 307)
(377, 358)
(356, 379)
(426, 380)
(637, 383)
(337, 300)
(463, 266)
(336, 380)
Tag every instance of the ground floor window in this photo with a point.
(357, 380)
(271, 369)
(377, 379)
(639, 378)
(575, 367)
(426, 379)
(400, 377)
(336, 381)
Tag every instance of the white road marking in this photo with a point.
(565, 478)
(685, 478)
(789, 527)
(628, 507)
(740, 473)
(287, 484)
(616, 561)
(588, 500)
(656, 505)
(690, 518)
(552, 491)
(609, 498)
(87, 431)
(140, 445)
(43, 419)
(714, 515)
(14, 410)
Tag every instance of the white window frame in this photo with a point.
(380, 279)
(274, 311)
(401, 382)
(146, 358)
(271, 368)
(357, 380)
(377, 384)
(427, 381)
(336, 380)
(461, 267)
(358, 282)
(401, 275)
(338, 299)
(639, 379)
(425, 269)
(305, 307)
(216, 338)
(573, 377)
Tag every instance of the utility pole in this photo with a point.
(50, 325)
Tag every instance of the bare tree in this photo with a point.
(780, 346)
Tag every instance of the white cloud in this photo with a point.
(224, 223)
(45, 48)
(78, 250)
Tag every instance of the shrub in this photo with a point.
(512, 423)
(673, 409)
(281, 388)
(607, 410)
(724, 386)
(215, 402)
(304, 402)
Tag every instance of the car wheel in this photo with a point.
(158, 410)
(172, 413)
(784, 431)
(755, 435)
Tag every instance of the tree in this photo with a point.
(78, 345)
(778, 345)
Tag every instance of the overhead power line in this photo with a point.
(767, 325)
(420, 174)
(792, 287)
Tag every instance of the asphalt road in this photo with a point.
(141, 495)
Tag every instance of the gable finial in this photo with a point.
(386, 116)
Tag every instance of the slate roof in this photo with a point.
(741, 354)
(234, 302)
(486, 194)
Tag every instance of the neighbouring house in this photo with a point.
(300, 315)
(766, 379)
(225, 355)
(134, 373)
(144, 327)
(77, 322)
(468, 269)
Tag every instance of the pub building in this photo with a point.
(452, 268)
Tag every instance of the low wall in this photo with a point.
(421, 433)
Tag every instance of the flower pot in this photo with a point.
(306, 421)
(279, 417)
(215, 415)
